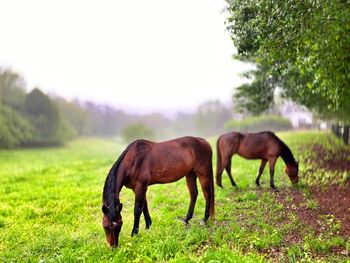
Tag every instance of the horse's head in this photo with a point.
(292, 172)
(112, 223)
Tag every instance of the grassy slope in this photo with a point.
(50, 203)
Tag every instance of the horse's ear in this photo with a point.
(105, 209)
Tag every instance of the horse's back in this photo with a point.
(169, 161)
(262, 145)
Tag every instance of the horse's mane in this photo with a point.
(109, 189)
(286, 153)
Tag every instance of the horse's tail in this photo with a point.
(219, 167)
(112, 184)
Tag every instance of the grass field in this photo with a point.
(50, 210)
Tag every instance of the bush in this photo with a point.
(136, 131)
(15, 129)
(261, 123)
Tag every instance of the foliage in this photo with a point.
(211, 116)
(305, 46)
(12, 90)
(45, 119)
(257, 96)
(50, 210)
(15, 130)
(35, 119)
(261, 123)
(136, 131)
(74, 114)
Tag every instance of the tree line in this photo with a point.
(33, 119)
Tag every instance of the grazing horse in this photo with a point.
(144, 163)
(265, 146)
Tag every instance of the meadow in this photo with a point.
(50, 211)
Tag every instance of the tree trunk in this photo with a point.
(346, 134)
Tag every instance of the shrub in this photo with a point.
(261, 123)
(15, 129)
(136, 131)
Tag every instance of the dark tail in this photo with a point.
(112, 184)
(219, 169)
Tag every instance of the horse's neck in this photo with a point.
(119, 183)
(287, 155)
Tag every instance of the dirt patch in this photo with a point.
(295, 202)
(332, 199)
(335, 200)
(333, 160)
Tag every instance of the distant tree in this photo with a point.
(45, 118)
(15, 130)
(185, 124)
(74, 115)
(136, 131)
(211, 117)
(12, 90)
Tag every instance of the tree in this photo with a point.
(304, 44)
(257, 96)
(12, 90)
(73, 114)
(15, 130)
(136, 131)
(211, 117)
(45, 118)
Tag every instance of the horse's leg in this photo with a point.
(148, 219)
(272, 163)
(219, 166)
(192, 188)
(261, 169)
(219, 171)
(140, 196)
(206, 188)
(219, 177)
(228, 170)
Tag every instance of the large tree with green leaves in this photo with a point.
(303, 45)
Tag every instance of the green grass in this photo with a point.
(50, 211)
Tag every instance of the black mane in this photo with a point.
(286, 154)
(109, 189)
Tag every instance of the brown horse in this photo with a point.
(144, 163)
(265, 146)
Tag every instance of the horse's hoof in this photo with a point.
(275, 190)
(185, 222)
(134, 232)
(203, 222)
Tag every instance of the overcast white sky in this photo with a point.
(140, 56)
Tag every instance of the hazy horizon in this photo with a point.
(159, 56)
